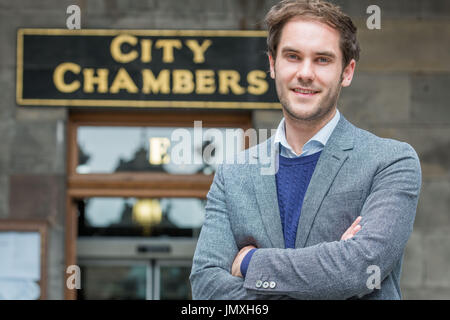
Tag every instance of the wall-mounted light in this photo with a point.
(147, 212)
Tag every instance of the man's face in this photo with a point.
(308, 69)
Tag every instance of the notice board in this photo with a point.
(23, 252)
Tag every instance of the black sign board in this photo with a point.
(144, 68)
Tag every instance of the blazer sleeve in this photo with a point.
(215, 252)
(339, 269)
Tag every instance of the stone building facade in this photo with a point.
(400, 90)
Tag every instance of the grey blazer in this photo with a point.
(357, 173)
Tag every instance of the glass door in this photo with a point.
(135, 280)
(116, 280)
(171, 280)
(123, 257)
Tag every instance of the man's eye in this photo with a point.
(292, 57)
(323, 60)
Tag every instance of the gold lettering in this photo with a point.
(229, 79)
(152, 85)
(257, 84)
(198, 50)
(167, 46)
(146, 50)
(182, 81)
(205, 82)
(116, 51)
(58, 77)
(123, 81)
(101, 80)
(158, 151)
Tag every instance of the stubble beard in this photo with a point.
(324, 106)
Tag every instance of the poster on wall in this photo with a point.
(20, 265)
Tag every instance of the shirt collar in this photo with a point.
(320, 138)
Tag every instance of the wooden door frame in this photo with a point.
(127, 184)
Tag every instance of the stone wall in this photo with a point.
(400, 91)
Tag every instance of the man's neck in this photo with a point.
(298, 132)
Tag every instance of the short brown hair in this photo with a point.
(322, 11)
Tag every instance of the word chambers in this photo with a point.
(125, 49)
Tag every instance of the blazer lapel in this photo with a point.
(266, 195)
(331, 160)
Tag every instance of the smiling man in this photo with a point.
(342, 201)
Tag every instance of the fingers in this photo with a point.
(355, 231)
(355, 223)
(352, 230)
(350, 233)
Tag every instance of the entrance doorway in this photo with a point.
(133, 216)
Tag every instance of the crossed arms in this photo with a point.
(236, 267)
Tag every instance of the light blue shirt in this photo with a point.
(313, 145)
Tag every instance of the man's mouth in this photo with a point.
(305, 92)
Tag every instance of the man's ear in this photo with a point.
(272, 66)
(347, 74)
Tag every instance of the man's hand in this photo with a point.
(354, 228)
(236, 267)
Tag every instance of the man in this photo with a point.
(290, 235)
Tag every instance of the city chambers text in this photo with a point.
(126, 49)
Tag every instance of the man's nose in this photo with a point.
(305, 71)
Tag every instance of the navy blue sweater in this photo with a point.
(292, 179)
